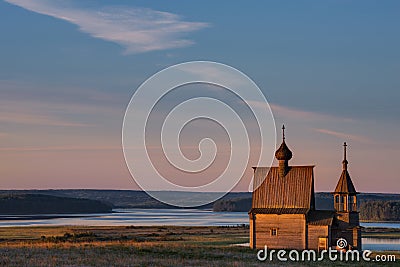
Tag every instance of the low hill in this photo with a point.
(22, 204)
(119, 198)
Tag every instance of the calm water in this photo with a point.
(382, 224)
(381, 244)
(182, 217)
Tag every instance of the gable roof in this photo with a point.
(345, 185)
(293, 191)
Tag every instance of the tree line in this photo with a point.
(380, 210)
(370, 210)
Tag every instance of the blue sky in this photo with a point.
(68, 68)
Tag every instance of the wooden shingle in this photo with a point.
(345, 185)
(293, 191)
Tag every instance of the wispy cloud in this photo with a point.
(303, 114)
(293, 113)
(60, 148)
(36, 119)
(137, 29)
(358, 138)
(71, 107)
(213, 72)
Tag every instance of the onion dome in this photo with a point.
(283, 152)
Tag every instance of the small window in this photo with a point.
(274, 232)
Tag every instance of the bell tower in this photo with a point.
(345, 204)
(345, 198)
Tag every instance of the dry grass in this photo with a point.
(130, 246)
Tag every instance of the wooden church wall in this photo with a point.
(291, 230)
(314, 233)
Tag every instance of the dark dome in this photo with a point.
(283, 152)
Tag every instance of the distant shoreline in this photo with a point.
(21, 217)
(14, 217)
(371, 221)
(91, 201)
(20, 206)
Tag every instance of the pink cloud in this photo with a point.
(303, 114)
(293, 113)
(22, 104)
(358, 138)
(60, 148)
(23, 118)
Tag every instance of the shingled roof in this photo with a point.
(293, 191)
(345, 185)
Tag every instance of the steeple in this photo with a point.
(283, 155)
(345, 162)
(345, 194)
(345, 185)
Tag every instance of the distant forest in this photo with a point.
(380, 210)
(24, 204)
(372, 206)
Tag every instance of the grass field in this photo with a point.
(134, 246)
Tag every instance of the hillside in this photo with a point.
(21, 203)
(119, 198)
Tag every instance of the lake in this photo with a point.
(181, 217)
(381, 224)
(381, 244)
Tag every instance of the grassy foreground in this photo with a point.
(134, 246)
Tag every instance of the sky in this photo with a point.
(329, 70)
